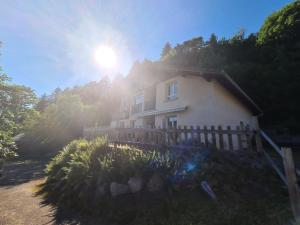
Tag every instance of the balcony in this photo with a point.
(138, 108)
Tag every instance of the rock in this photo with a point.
(155, 183)
(135, 184)
(118, 189)
(102, 190)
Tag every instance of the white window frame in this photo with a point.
(173, 120)
(138, 99)
(172, 90)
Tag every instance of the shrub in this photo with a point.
(247, 193)
(83, 166)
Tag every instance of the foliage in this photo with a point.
(7, 146)
(15, 101)
(61, 122)
(15, 112)
(166, 51)
(62, 115)
(105, 163)
(100, 98)
(282, 27)
(83, 166)
(247, 191)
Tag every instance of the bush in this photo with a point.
(247, 192)
(83, 166)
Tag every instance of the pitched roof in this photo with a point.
(222, 77)
(152, 73)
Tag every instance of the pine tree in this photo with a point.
(166, 50)
(42, 103)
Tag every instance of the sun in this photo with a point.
(105, 57)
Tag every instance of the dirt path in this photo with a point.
(19, 204)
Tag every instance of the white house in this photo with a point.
(171, 97)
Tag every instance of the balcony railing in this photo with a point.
(148, 105)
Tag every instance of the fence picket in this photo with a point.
(221, 141)
(198, 135)
(230, 143)
(206, 143)
(239, 137)
(248, 138)
(192, 135)
(213, 133)
(177, 136)
(185, 135)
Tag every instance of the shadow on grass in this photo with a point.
(68, 217)
(63, 215)
(21, 171)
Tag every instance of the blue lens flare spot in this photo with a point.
(190, 166)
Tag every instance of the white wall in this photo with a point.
(208, 103)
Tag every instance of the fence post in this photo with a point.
(205, 136)
(198, 136)
(185, 132)
(248, 138)
(239, 137)
(174, 135)
(221, 141)
(230, 143)
(213, 133)
(258, 142)
(179, 130)
(291, 178)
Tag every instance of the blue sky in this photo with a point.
(49, 44)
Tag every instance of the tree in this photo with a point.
(61, 122)
(213, 40)
(15, 108)
(166, 50)
(282, 27)
(42, 103)
(56, 93)
(62, 118)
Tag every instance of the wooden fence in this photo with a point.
(286, 171)
(240, 138)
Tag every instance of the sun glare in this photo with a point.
(105, 57)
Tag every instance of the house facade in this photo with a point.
(185, 97)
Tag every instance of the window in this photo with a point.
(138, 104)
(172, 91)
(172, 121)
(139, 99)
